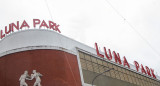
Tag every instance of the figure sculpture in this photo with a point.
(36, 75)
(23, 78)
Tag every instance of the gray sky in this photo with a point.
(90, 21)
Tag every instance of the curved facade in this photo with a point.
(60, 61)
(38, 50)
(58, 68)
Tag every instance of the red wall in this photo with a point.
(57, 67)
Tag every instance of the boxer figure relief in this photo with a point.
(23, 78)
(37, 76)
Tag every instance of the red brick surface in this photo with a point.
(57, 67)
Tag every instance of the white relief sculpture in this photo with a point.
(23, 78)
(37, 76)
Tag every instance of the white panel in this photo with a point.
(38, 37)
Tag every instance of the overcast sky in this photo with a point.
(90, 21)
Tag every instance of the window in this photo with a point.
(130, 79)
(117, 74)
(137, 81)
(97, 65)
(94, 59)
(127, 71)
(123, 70)
(99, 61)
(87, 57)
(89, 66)
(101, 68)
(115, 67)
(158, 83)
(134, 80)
(141, 83)
(139, 76)
(110, 65)
(107, 73)
(105, 64)
(126, 77)
(112, 73)
(135, 75)
(121, 76)
(81, 55)
(119, 69)
(83, 64)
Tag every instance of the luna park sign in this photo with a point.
(116, 56)
(12, 27)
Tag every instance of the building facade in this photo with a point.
(61, 61)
